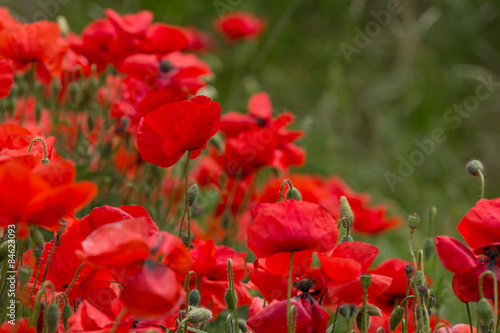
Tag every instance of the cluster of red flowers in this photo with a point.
(122, 103)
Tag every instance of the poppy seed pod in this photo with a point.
(474, 167)
(192, 194)
(366, 280)
(413, 221)
(45, 160)
(396, 317)
(346, 238)
(293, 193)
(199, 315)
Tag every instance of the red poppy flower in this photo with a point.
(150, 291)
(167, 132)
(240, 25)
(210, 266)
(131, 24)
(480, 227)
(20, 326)
(343, 269)
(270, 275)
(6, 77)
(467, 267)
(291, 225)
(38, 42)
(310, 317)
(33, 200)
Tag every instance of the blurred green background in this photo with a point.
(361, 115)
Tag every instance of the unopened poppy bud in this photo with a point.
(359, 321)
(24, 274)
(293, 193)
(413, 221)
(409, 271)
(62, 223)
(198, 315)
(45, 160)
(422, 291)
(396, 317)
(192, 194)
(4, 251)
(428, 248)
(230, 301)
(38, 251)
(52, 317)
(420, 278)
(347, 310)
(345, 211)
(373, 311)
(484, 311)
(242, 324)
(66, 313)
(38, 242)
(473, 167)
(366, 280)
(432, 300)
(194, 297)
(346, 238)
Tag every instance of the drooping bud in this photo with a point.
(192, 194)
(474, 167)
(428, 247)
(346, 211)
(359, 321)
(242, 324)
(409, 271)
(198, 315)
(293, 193)
(396, 317)
(484, 311)
(38, 242)
(229, 298)
(373, 311)
(62, 227)
(346, 238)
(45, 160)
(66, 313)
(24, 274)
(347, 310)
(194, 297)
(413, 221)
(52, 317)
(366, 280)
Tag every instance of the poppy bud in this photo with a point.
(484, 311)
(373, 311)
(38, 241)
(293, 193)
(62, 222)
(24, 274)
(4, 251)
(345, 211)
(230, 301)
(366, 280)
(396, 317)
(473, 167)
(199, 315)
(194, 297)
(359, 321)
(230, 324)
(428, 247)
(346, 238)
(192, 194)
(66, 313)
(52, 317)
(45, 160)
(347, 310)
(420, 278)
(422, 291)
(242, 324)
(409, 271)
(432, 300)
(413, 221)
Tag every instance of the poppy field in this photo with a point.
(225, 167)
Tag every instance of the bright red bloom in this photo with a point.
(467, 267)
(20, 326)
(210, 266)
(291, 225)
(458, 328)
(38, 42)
(311, 318)
(480, 227)
(343, 269)
(167, 132)
(33, 200)
(240, 25)
(6, 77)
